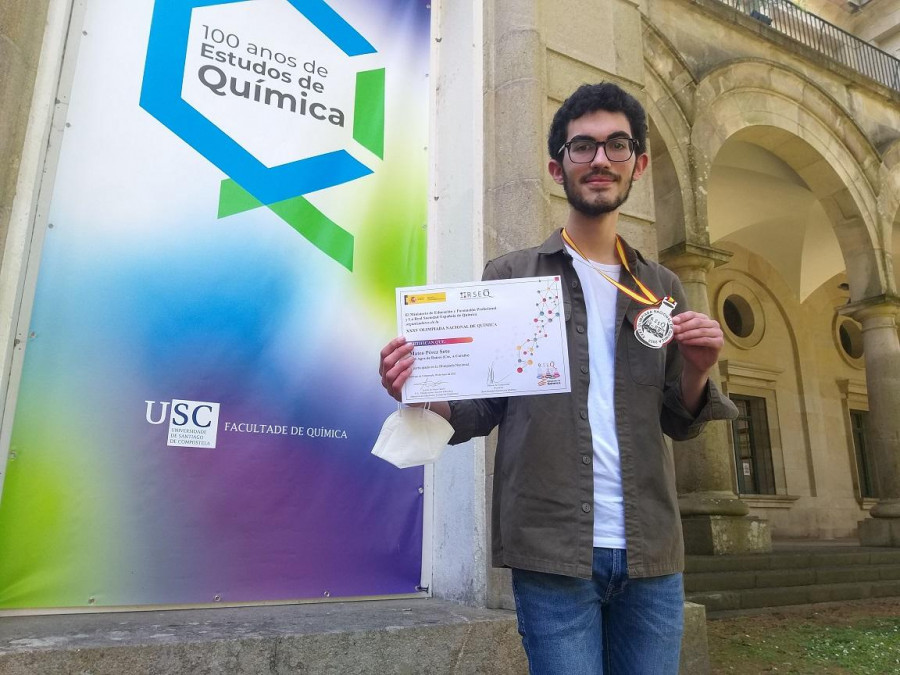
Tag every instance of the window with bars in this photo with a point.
(752, 447)
(865, 469)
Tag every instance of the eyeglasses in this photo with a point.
(583, 150)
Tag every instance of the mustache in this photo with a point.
(601, 172)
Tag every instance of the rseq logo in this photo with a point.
(192, 424)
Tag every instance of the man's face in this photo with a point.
(600, 186)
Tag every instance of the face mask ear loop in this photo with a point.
(428, 405)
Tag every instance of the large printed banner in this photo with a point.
(241, 186)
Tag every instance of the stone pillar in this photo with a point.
(714, 519)
(515, 161)
(878, 317)
(515, 206)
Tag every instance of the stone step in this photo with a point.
(754, 598)
(698, 582)
(389, 637)
(349, 638)
(825, 558)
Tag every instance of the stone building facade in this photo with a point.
(774, 194)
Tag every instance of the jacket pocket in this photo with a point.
(646, 365)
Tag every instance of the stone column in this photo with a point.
(515, 206)
(515, 161)
(714, 519)
(21, 30)
(878, 317)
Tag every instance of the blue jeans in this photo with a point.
(608, 625)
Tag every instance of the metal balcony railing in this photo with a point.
(839, 45)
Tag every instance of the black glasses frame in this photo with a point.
(567, 146)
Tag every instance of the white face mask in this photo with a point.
(412, 437)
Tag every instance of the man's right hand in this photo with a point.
(396, 365)
(395, 368)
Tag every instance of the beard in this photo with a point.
(601, 205)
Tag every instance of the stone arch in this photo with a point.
(669, 88)
(889, 197)
(889, 208)
(766, 100)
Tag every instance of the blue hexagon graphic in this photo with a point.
(280, 187)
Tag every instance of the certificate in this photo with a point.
(485, 339)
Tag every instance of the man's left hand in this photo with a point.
(699, 339)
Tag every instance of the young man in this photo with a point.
(585, 510)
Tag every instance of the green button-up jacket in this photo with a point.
(543, 487)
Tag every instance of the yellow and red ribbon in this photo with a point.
(646, 297)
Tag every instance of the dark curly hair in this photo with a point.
(592, 97)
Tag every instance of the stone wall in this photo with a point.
(797, 366)
(21, 31)
(878, 22)
(716, 76)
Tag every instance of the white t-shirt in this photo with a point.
(600, 300)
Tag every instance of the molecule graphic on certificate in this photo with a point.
(527, 358)
(546, 312)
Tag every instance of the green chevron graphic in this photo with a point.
(322, 232)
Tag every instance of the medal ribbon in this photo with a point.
(646, 297)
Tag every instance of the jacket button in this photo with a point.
(585, 459)
(586, 507)
(579, 328)
(574, 283)
(584, 369)
(583, 414)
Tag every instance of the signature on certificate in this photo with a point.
(428, 385)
